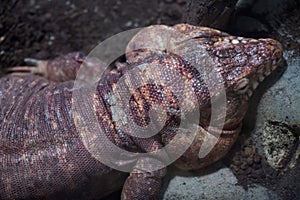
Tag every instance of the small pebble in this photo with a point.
(128, 24)
(248, 171)
(256, 166)
(247, 151)
(236, 161)
(244, 166)
(234, 167)
(181, 1)
(169, 1)
(250, 161)
(257, 159)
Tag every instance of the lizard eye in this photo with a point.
(242, 86)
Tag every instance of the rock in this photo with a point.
(280, 144)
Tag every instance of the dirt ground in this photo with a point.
(44, 29)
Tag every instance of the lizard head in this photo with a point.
(243, 63)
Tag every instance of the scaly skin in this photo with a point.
(43, 155)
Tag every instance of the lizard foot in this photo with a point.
(35, 66)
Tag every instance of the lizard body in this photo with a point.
(42, 154)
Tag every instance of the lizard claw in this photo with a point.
(32, 61)
(35, 66)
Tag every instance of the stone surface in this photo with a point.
(221, 184)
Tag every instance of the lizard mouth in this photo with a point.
(263, 72)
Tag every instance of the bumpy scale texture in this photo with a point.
(42, 153)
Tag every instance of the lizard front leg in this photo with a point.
(62, 68)
(142, 185)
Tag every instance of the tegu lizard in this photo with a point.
(42, 153)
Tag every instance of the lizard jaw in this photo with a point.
(262, 73)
